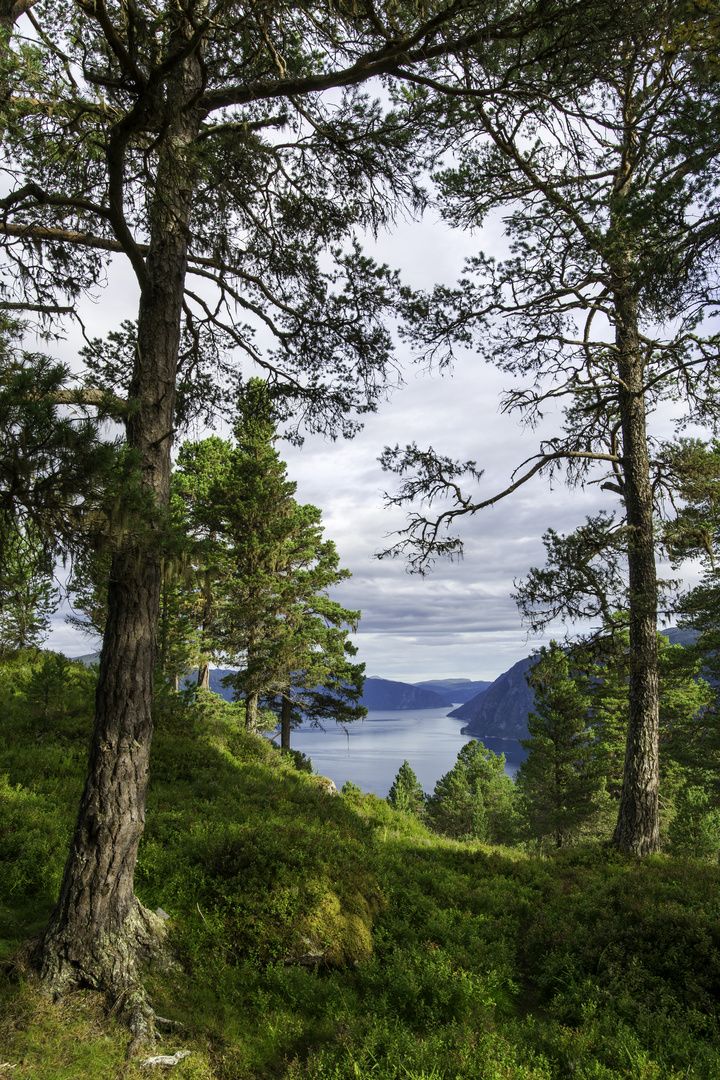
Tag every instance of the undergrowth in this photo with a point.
(329, 937)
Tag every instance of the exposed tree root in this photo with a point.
(110, 964)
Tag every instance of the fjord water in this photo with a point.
(370, 752)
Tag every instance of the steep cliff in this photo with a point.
(502, 709)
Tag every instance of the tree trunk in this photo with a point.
(251, 711)
(203, 678)
(637, 830)
(98, 931)
(285, 722)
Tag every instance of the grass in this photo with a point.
(441, 960)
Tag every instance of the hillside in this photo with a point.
(501, 710)
(317, 936)
(325, 937)
(378, 693)
(387, 694)
(456, 690)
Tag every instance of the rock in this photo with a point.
(325, 784)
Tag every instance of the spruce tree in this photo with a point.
(558, 782)
(275, 621)
(475, 799)
(198, 469)
(406, 793)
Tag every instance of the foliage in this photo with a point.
(485, 962)
(693, 469)
(695, 829)
(267, 569)
(599, 312)
(475, 799)
(53, 462)
(27, 595)
(559, 781)
(406, 794)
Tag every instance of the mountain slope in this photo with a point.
(501, 711)
(378, 693)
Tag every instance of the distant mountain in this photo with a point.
(680, 637)
(378, 693)
(460, 690)
(386, 694)
(502, 710)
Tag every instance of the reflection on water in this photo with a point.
(370, 752)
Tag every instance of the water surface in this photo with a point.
(370, 752)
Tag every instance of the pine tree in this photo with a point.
(558, 782)
(686, 712)
(198, 469)
(406, 794)
(274, 619)
(150, 132)
(609, 198)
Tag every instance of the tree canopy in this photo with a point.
(609, 191)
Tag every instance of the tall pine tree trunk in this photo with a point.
(285, 710)
(203, 677)
(98, 931)
(251, 710)
(637, 829)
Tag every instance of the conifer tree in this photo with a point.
(150, 132)
(275, 621)
(27, 596)
(559, 781)
(198, 469)
(406, 793)
(475, 798)
(609, 197)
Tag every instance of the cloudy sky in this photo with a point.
(458, 621)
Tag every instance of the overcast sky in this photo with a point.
(458, 621)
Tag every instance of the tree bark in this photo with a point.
(98, 931)
(251, 711)
(203, 677)
(285, 722)
(637, 830)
